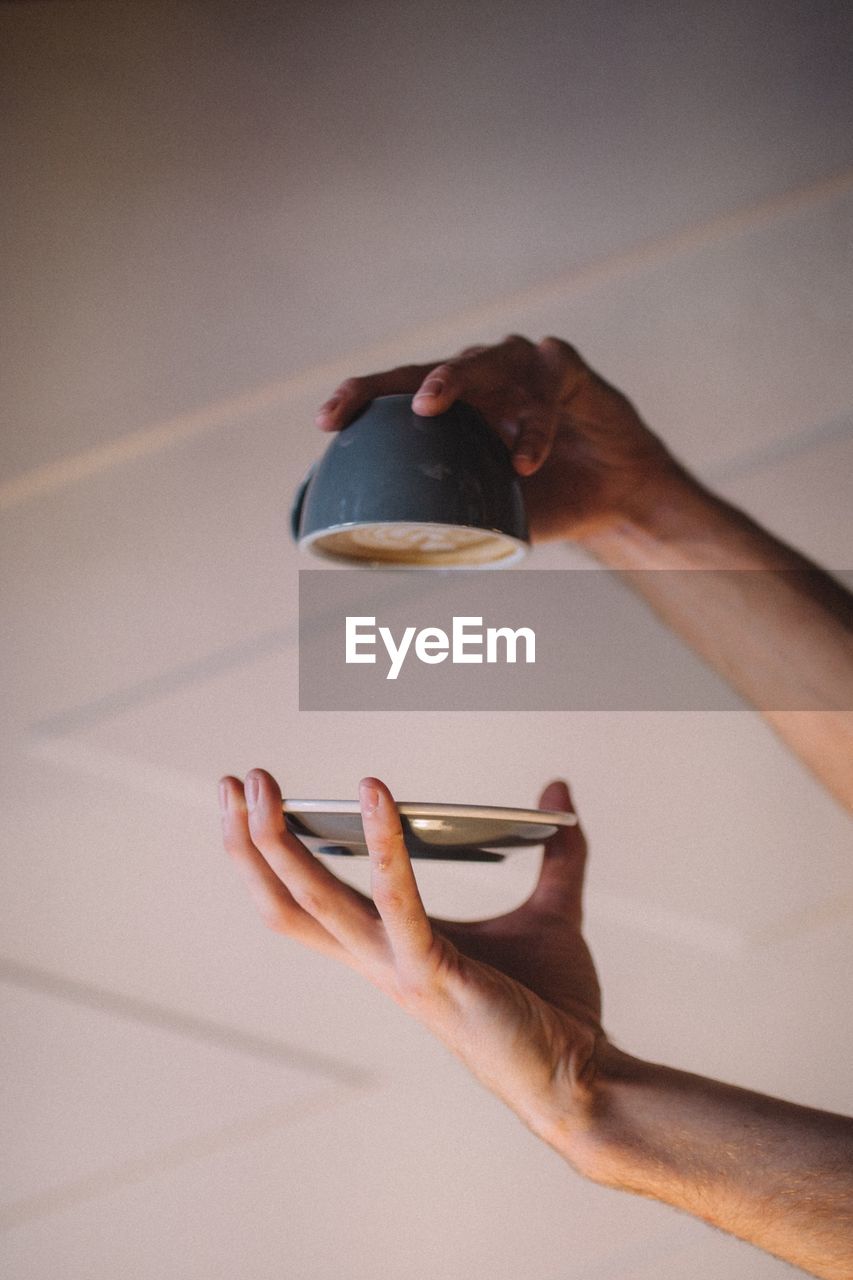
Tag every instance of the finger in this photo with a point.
(273, 901)
(392, 879)
(435, 387)
(565, 367)
(354, 393)
(560, 371)
(344, 913)
(535, 440)
(560, 885)
(443, 386)
(475, 372)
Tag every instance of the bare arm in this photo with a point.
(517, 1000)
(776, 627)
(773, 1173)
(593, 473)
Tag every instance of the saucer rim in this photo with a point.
(435, 809)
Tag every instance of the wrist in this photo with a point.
(682, 525)
(590, 1125)
(657, 525)
(616, 1148)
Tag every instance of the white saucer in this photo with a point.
(453, 831)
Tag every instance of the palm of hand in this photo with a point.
(517, 997)
(521, 1009)
(543, 952)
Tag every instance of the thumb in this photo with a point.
(560, 885)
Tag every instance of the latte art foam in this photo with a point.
(418, 544)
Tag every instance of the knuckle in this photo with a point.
(535, 432)
(408, 373)
(416, 986)
(517, 340)
(307, 897)
(564, 354)
(351, 386)
(385, 845)
(264, 834)
(559, 347)
(387, 898)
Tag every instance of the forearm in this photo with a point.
(775, 1174)
(780, 633)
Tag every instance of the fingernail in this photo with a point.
(251, 788)
(223, 797)
(432, 387)
(369, 798)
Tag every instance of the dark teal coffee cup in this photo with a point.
(395, 488)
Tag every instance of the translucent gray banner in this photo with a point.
(563, 640)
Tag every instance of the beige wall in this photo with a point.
(212, 213)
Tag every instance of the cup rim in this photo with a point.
(307, 542)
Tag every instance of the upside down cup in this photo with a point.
(395, 488)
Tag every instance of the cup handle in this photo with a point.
(299, 501)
